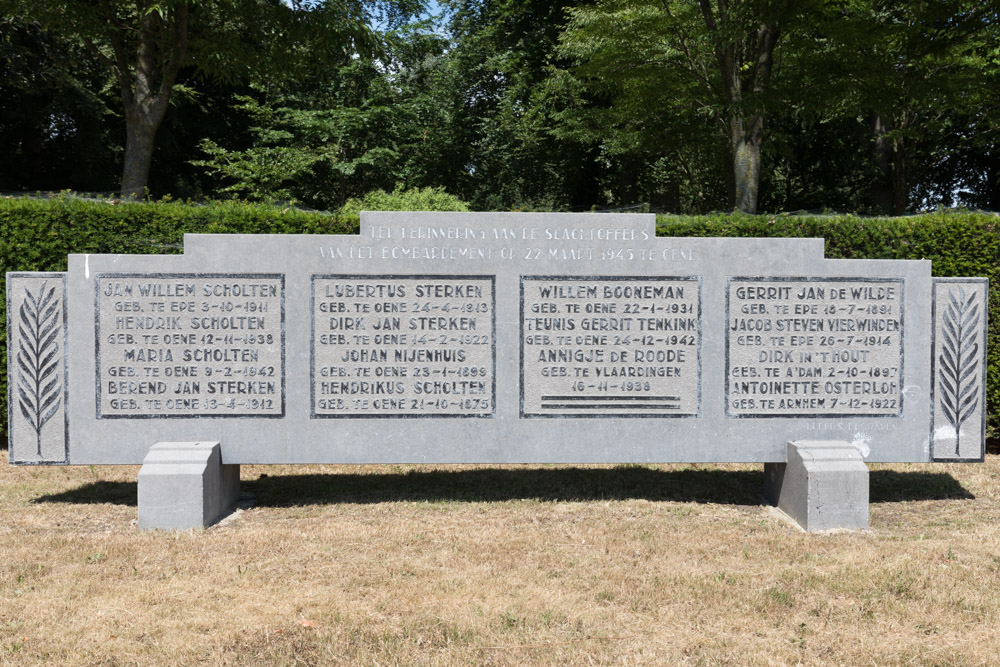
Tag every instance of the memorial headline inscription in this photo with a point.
(450, 337)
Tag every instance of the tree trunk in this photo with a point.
(160, 49)
(900, 193)
(745, 62)
(140, 135)
(881, 190)
(746, 137)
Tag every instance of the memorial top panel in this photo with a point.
(549, 243)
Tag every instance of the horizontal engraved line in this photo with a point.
(605, 406)
(611, 398)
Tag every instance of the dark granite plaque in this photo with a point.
(189, 345)
(828, 347)
(403, 346)
(610, 346)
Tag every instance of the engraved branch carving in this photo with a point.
(959, 360)
(39, 387)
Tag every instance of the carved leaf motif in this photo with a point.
(39, 387)
(959, 361)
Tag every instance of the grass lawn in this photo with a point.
(500, 565)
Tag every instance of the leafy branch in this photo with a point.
(39, 385)
(959, 360)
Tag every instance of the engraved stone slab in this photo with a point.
(37, 366)
(488, 338)
(958, 365)
(610, 346)
(403, 346)
(187, 345)
(500, 338)
(814, 346)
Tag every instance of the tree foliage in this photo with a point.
(671, 66)
(145, 44)
(55, 117)
(866, 106)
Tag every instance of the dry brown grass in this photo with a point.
(505, 565)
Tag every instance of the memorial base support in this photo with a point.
(185, 485)
(822, 486)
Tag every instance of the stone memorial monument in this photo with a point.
(495, 338)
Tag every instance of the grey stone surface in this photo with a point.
(822, 486)
(403, 346)
(185, 485)
(958, 363)
(816, 347)
(189, 344)
(610, 347)
(500, 337)
(37, 364)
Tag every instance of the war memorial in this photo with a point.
(495, 338)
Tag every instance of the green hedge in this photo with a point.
(37, 235)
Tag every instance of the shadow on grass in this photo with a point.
(499, 485)
(116, 493)
(889, 486)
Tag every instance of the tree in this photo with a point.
(716, 59)
(53, 113)
(469, 111)
(368, 125)
(501, 84)
(744, 36)
(638, 102)
(144, 44)
(923, 76)
(278, 160)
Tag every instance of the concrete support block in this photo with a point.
(822, 486)
(184, 485)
